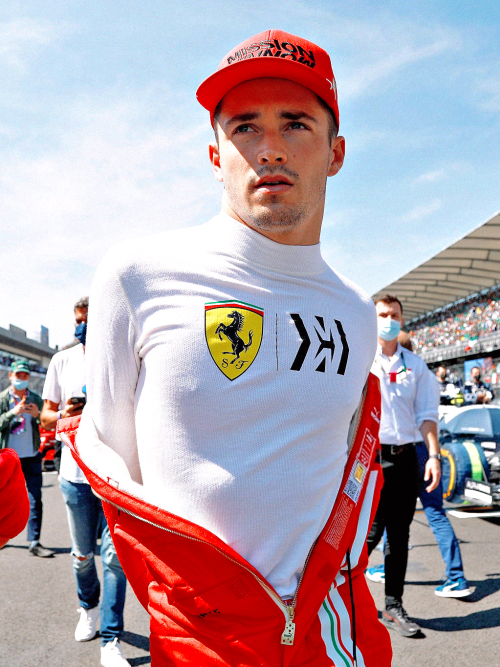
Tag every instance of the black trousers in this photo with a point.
(395, 514)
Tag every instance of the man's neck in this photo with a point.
(303, 234)
(389, 347)
(19, 392)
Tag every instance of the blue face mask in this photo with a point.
(387, 328)
(81, 332)
(20, 384)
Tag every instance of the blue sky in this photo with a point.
(101, 137)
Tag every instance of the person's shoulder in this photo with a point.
(352, 293)
(65, 354)
(4, 393)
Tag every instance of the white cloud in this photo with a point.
(431, 176)
(489, 90)
(399, 56)
(453, 170)
(21, 38)
(422, 211)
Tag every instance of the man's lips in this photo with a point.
(276, 183)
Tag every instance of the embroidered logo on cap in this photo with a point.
(275, 49)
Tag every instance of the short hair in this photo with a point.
(333, 128)
(82, 303)
(388, 299)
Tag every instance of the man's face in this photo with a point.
(392, 310)
(19, 375)
(81, 315)
(475, 374)
(441, 373)
(274, 157)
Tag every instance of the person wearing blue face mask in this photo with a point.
(19, 421)
(64, 395)
(408, 404)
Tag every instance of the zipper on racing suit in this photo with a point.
(288, 610)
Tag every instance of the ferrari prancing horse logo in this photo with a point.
(234, 333)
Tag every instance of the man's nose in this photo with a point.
(272, 151)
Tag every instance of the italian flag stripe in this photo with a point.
(235, 304)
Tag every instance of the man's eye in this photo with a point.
(297, 125)
(242, 128)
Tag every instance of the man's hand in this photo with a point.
(432, 472)
(20, 407)
(71, 409)
(50, 413)
(32, 410)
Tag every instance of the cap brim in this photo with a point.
(213, 89)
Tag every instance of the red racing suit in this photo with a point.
(209, 607)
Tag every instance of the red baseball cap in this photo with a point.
(272, 53)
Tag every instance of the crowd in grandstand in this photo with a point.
(465, 321)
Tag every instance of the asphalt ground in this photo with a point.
(38, 600)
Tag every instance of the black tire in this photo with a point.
(461, 459)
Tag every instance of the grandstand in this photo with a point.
(452, 303)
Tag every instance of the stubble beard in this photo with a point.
(274, 215)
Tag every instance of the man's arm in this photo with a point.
(50, 413)
(112, 362)
(427, 415)
(8, 415)
(429, 432)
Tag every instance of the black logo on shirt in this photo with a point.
(326, 344)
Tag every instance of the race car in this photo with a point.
(470, 449)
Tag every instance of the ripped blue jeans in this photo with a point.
(86, 522)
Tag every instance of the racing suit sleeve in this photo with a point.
(111, 365)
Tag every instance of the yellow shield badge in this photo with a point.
(234, 333)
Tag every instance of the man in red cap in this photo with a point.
(225, 366)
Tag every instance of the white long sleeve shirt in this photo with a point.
(409, 395)
(238, 425)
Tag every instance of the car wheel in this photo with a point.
(461, 459)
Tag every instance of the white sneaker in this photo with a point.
(112, 656)
(87, 625)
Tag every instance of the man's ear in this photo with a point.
(213, 152)
(337, 155)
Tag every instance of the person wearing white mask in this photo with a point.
(408, 402)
